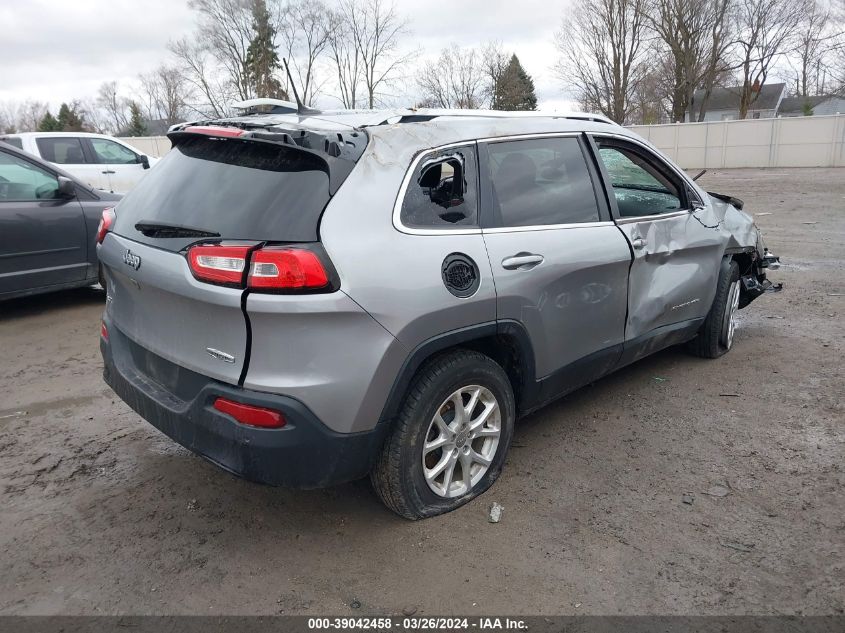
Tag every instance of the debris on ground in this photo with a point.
(740, 547)
(192, 505)
(355, 604)
(687, 499)
(409, 610)
(718, 491)
(495, 514)
(729, 395)
(764, 213)
(660, 378)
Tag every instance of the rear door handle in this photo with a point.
(108, 171)
(638, 243)
(522, 261)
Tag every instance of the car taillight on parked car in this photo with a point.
(271, 269)
(286, 269)
(105, 225)
(218, 264)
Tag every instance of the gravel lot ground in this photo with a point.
(102, 514)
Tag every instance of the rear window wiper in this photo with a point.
(156, 229)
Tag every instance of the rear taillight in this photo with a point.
(105, 225)
(271, 269)
(104, 331)
(218, 264)
(250, 414)
(286, 269)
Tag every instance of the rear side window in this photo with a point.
(442, 191)
(248, 190)
(62, 150)
(539, 182)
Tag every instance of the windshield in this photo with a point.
(241, 190)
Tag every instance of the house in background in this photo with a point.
(723, 104)
(812, 106)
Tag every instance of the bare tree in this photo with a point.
(164, 92)
(715, 65)
(376, 28)
(30, 114)
(816, 39)
(210, 91)
(96, 118)
(346, 59)
(8, 117)
(601, 46)
(455, 79)
(306, 31)
(115, 108)
(494, 61)
(766, 30)
(226, 30)
(692, 48)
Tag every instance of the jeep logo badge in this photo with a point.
(131, 259)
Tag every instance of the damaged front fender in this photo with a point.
(746, 246)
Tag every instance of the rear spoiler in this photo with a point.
(333, 150)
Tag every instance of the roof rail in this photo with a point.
(427, 114)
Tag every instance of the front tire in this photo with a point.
(716, 335)
(451, 438)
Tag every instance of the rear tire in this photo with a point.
(440, 455)
(716, 335)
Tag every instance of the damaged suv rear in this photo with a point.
(305, 300)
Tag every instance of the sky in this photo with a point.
(61, 50)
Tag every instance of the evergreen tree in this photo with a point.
(69, 119)
(136, 127)
(49, 124)
(262, 61)
(515, 89)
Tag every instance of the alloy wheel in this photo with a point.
(461, 441)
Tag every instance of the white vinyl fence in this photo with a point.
(813, 141)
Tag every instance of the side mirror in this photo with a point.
(144, 160)
(67, 189)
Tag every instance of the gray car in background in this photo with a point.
(306, 300)
(48, 226)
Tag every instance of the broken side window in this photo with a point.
(442, 191)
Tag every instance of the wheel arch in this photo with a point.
(506, 342)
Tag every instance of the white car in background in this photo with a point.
(101, 161)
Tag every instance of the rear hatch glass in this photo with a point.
(232, 188)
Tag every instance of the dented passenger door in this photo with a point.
(676, 253)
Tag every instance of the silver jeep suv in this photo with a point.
(306, 300)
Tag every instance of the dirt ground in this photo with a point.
(101, 514)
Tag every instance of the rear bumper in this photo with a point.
(302, 454)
